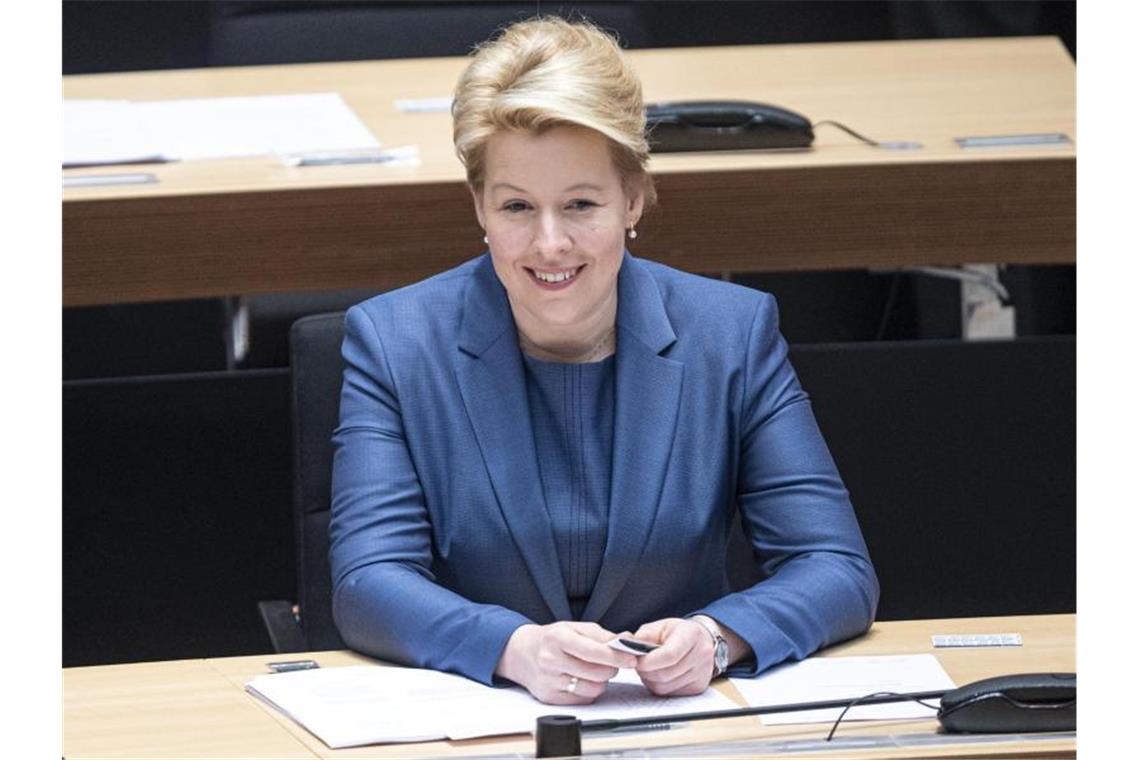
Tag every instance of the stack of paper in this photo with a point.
(369, 704)
(117, 131)
(103, 131)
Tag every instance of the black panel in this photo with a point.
(104, 36)
(675, 24)
(176, 515)
(961, 462)
(110, 35)
(840, 306)
(250, 33)
(144, 339)
(1045, 298)
(993, 18)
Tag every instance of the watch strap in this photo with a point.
(720, 647)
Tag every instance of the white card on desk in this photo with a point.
(423, 105)
(827, 678)
(977, 640)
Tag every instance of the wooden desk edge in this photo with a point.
(842, 217)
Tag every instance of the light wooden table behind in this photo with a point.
(251, 225)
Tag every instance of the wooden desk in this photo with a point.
(214, 228)
(198, 708)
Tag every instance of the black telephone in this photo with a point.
(1020, 703)
(724, 125)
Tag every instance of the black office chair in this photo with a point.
(314, 348)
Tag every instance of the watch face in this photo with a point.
(720, 657)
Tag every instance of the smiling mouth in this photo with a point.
(559, 277)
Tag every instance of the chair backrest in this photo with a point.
(314, 348)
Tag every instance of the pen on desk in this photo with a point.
(289, 666)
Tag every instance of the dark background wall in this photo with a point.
(103, 36)
(177, 462)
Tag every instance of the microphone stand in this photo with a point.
(561, 735)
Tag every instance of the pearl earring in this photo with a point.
(632, 233)
(485, 240)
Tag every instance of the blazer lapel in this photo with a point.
(493, 386)
(646, 401)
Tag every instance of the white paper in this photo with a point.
(825, 678)
(104, 132)
(207, 128)
(625, 697)
(368, 704)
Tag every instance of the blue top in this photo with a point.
(572, 413)
(440, 550)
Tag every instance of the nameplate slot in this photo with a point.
(1045, 139)
(109, 180)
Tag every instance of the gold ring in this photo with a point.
(572, 685)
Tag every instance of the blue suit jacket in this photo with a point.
(440, 541)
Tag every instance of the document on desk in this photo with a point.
(371, 704)
(825, 678)
(102, 132)
(109, 132)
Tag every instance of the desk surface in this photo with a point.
(197, 708)
(252, 225)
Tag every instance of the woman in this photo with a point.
(545, 447)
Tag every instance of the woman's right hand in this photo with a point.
(564, 663)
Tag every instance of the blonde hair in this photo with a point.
(548, 72)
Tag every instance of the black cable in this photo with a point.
(846, 129)
(854, 702)
(892, 145)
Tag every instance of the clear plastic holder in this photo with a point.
(404, 155)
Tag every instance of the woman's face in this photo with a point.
(555, 213)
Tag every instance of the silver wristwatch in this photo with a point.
(720, 648)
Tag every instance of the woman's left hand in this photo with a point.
(682, 665)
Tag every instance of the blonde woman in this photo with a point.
(545, 447)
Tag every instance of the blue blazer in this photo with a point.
(440, 541)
